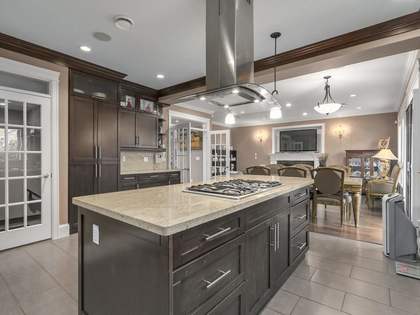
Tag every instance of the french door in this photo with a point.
(220, 152)
(25, 153)
(181, 150)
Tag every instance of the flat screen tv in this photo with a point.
(298, 140)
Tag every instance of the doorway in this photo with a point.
(25, 159)
(189, 147)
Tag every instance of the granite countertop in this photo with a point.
(166, 210)
(147, 171)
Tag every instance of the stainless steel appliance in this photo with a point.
(233, 189)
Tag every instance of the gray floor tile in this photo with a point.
(356, 305)
(405, 302)
(267, 311)
(55, 301)
(340, 268)
(315, 292)
(304, 271)
(8, 304)
(68, 244)
(357, 287)
(306, 307)
(283, 302)
(402, 284)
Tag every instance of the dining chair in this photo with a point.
(329, 190)
(306, 166)
(292, 171)
(274, 168)
(258, 170)
(377, 188)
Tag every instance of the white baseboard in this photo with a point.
(63, 230)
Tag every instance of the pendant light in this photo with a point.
(328, 105)
(230, 119)
(275, 112)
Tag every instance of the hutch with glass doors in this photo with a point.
(361, 164)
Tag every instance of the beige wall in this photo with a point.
(360, 132)
(63, 121)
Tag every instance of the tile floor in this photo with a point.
(338, 276)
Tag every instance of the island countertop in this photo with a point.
(167, 210)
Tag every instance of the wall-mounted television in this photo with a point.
(298, 140)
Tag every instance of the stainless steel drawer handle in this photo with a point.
(190, 250)
(217, 234)
(302, 246)
(300, 195)
(214, 282)
(129, 178)
(301, 217)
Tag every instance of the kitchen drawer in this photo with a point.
(299, 195)
(266, 210)
(174, 178)
(299, 216)
(209, 278)
(299, 244)
(233, 304)
(128, 182)
(196, 241)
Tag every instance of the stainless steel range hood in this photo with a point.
(230, 56)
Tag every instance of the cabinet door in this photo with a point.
(107, 131)
(279, 252)
(107, 178)
(82, 129)
(82, 181)
(146, 130)
(127, 129)
(258, 242)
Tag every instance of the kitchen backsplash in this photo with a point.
(132, 161)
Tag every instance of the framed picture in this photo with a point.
(147, 106)
(130, 102)
(384, 143)
(196, 140)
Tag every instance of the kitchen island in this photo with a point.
(164, 251)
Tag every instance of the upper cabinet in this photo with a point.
(140, 120)
(98, 88)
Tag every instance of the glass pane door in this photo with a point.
(220, 152)
(181, 150)
(24, 169)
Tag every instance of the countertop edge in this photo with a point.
(188, 224)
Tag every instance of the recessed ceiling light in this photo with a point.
(359, 107)
(177, 121)
(103, 37)
(235, 91)
(353, 95)
(202, 98)
(160, 76)
(242, 112)
(123, 22)
(256, 101)
(85, 48)
(226, 106)
(304, 114)
(288, 104)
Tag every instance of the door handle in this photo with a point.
(96, 170)
(100, 170)
(46, 176)
(100, 152)
(301, 246)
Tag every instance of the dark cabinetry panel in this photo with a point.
(147, 130)
(107, 177)
(148, 180)
(107, 132)
(279, 250)
(82, 129)
(258, 242)
(127, 129)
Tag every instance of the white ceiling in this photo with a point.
(169, 36)
(378, 84)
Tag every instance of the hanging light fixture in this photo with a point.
(328, 105)
(275, 112)
(230, 119)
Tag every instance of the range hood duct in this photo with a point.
(230, 56)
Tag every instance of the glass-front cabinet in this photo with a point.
(361, 164)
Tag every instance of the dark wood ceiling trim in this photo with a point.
(140, 89)
(18, 45)
(379, 31)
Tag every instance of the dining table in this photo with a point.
(354, 186)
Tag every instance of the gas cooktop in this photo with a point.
(233, 189)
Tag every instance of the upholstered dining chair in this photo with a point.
(258, 170)
(274, 168)
(377, 188)
(292, 171)
(329, 190)
(306, 166)
(345, 168)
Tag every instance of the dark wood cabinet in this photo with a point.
(147, 130)
(107, 132)
(146, 180)
(258, 243)
(279, 249)
(127, 129)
